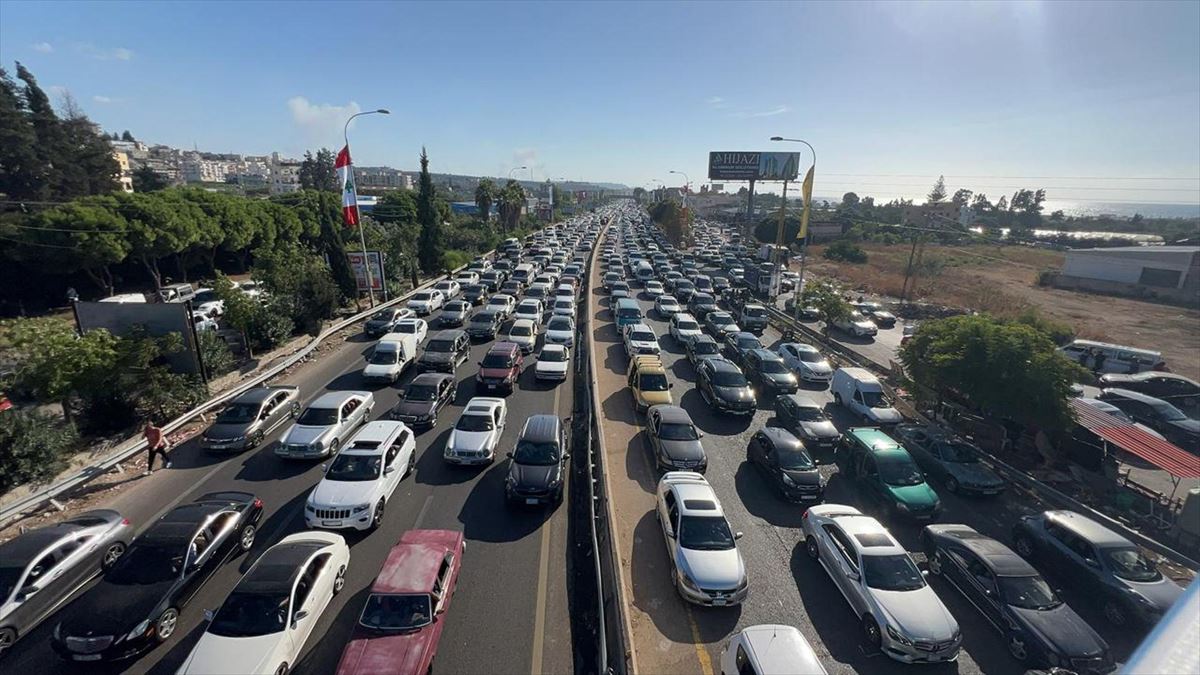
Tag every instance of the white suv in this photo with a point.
(640, 339)
(684, 328)
(900, 614)
(362, 477)
(705, 564)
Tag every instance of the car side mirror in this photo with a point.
(302, 614)
(209, 615)
(925, 573)
(670, 385)
(566, 456)
(324, 468)
(389, 469)
(28, 592)
(737, 535)
(1092, 562)
(854, 575)
(508, 454)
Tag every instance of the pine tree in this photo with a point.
(429, 246)
(22, 174)
(938, 193)
(125, 136)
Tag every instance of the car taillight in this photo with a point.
(257, 503)
(804, 516)
(125, 521)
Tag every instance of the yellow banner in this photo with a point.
(807, 191)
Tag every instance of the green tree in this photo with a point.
(844, 250)
(825, 297)
(156, 231)
(214, 354)
(673, 220)
(962, 197)
(320, 216)
(36, 448)
(125, 136)
(317, 172)
(429, 249)
(850, 201)
(1007, 369)
(938, 193)
(398, 206)
(485, 196)
(510, 202)
(54, 363)
(22, 172)
(146, 179)
(302, 285)
(90, 236)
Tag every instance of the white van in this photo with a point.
(1115, 358)
(859, 391)
(524, 273)
(125, 298)
(390, 358)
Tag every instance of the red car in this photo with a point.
(400, 626)
(500, 368)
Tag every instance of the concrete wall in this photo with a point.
(1128, 265)
(1189, 296)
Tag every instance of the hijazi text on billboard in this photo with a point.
(753, 165)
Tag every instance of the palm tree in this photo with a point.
(485, 194)
(510, 202)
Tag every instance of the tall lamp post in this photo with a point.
(362, 237)
(803, 244)
(515, 168)
(686, 182)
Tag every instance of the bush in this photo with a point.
(268, 327)
(215, 354)
(844, 250)
(34, 448)
(1060, 333)
(453, 259)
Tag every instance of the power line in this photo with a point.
(31, 243)
(935, 176)
(1048, 187)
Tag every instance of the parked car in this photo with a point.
(477, 432)
(454, 313)
(806, 361)
(553, 363)
(537, 463)
(700, 348)
(136, 604)
(950, 459)
(247, 420)
(1039, 629)
(769, 649)
(768, 373)
(899, 613)
(560, 330)
(654, 289)
(786, 464)
(403, 618)
(563, 307)
(524, 334)
(857, 325)
(362, 477)
(42, 568)
(531, 309)
(423, 398)
(319, 430)
(724, 388)
(445, 351)
(876, 313)
(426, 302)
(1158, 415)
(264, 623)
(1167, 386)
(390, 357)
(1101, 564)
(888, 475)
(719, 324)
(484, 325)
(500, 367)
(701, 304)
(476, 294)
(806, 419)
(675, 440)
(706, 567)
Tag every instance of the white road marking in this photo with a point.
(422, 512)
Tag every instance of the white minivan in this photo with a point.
(391, 356)
(1112, 358)
(861, 392)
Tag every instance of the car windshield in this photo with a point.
(892, 573)
(238, 413)
(899, 471)
(1027, 592)
(205, 296)
(755, 311)
(795, 459)
(475, 423)
(705, 533)
(672, 302)
(720, 319)
(388, 612)
(420, 392)
(351, 467)
(407, 327)
(384, 357)
(422, 296)
(529, 452)
(520, 331)
(677, 431)
(442, 346)
(772, 367)
(8, 581)
(553, 355)
(705, 348)
(455, 307)
(811, 357)
(729, 378)
(250, 614)
(874, 399)
(144, 564)
(807, 414)
(1129, 564)
(559, 324)
(485, 319)
(654, 382)
(687, 325)
(385, 315)
(641, 336)
(1168, 412)
(957, 452)
(318, 417)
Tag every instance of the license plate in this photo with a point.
(86, 657)
(491, 386)
(719, 602)
(991, 492)
(331, 523)
(531, 501)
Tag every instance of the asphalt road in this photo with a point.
(671, 636)
(510, 613)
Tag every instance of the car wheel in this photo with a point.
(1024, 546)
(282, 669)
(935, 564)
(254, 441)
(377, 516)
(871, 632)
(112, 554)
(952, 485)
(295, 411)
(339, 582)
(8, 637)
(1115, 613)
(810, 547)
(246, 539)
(1016, 647)
(164, 628)
(412, 463)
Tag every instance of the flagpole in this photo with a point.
(799, 291)
(362, 237)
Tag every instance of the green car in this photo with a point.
(889, 474)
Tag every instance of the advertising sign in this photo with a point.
(360, 273)
(753, 165)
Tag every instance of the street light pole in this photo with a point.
(362, 237)
(515, 168)
(686, 182)
(799, 291)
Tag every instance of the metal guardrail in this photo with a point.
(132, 447)
(1011, 473)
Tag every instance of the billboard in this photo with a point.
(360, 273)
(753, 165)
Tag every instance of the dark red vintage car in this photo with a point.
(401, 624)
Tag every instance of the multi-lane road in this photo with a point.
(511, 611)
(670, 636)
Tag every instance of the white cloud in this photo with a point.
(105, 53)
(43, 47)
(58, 90)
(320, 124)
(103, 99)
(777, 110)
(528, 158)
(714, 100)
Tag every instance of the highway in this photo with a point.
(511, 610)
(785, 586)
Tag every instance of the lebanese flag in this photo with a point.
(345, 173)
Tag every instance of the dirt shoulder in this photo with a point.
(1002, 280)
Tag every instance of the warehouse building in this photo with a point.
(1169, 273)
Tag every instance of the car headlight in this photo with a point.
(902, 506)
(360, 508)
(138, 630)
(310, 508)
(317, 445)
(787, 480)
(686, 580)
(898, 637)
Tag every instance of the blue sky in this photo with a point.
(995, 96)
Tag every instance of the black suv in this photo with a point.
(723, 386)
(537, 465)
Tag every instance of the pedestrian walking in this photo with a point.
(156, 444)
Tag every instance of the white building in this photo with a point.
(285, 175)
(1171, 272)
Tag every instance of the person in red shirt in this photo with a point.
(156, 444)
